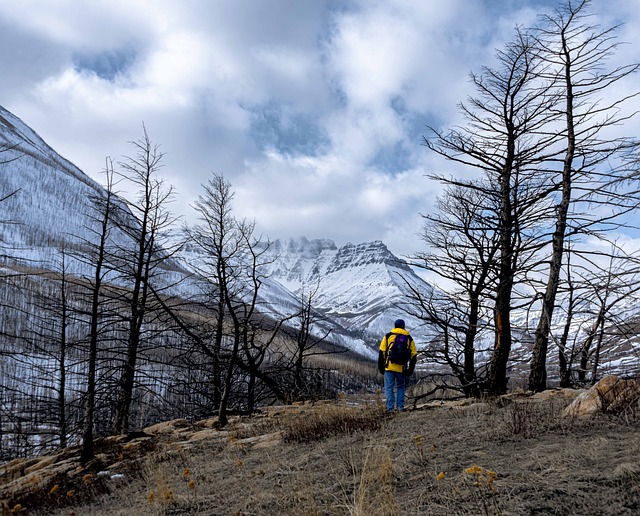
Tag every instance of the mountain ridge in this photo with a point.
(357, 285)
(52, 208)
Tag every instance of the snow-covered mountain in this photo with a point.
(358, 286)
(358, 289)
(361, 286)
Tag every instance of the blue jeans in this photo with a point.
(391, 380)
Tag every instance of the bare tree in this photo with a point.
(507, 141)
(566, 355)
(576, 53)
(62, 356)
(255, 349)
(141, 264)
(241, 285)
(99, 254)
(307, 339)
(216, 239)
(611, 282)
(463, 246)
(231, 260)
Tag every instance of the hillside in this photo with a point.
(52, 207)
(513, 455)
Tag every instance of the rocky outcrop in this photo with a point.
(361, 255)
(611, 394)
(61, 479)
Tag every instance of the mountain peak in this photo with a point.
(358, 284)
(359, 255)
(307, 247)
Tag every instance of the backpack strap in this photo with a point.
(386, 349)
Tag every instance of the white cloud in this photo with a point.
(88, 25)
(313, 110)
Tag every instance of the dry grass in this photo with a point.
(334, 419)
(486, 458)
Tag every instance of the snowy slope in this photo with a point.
(360, 286)
(279, 302)
(50, 195)
(50, 207)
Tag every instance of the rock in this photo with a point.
(207, 433)
(611, 394)
(168, 427)
(265, 441)
(556, 394)
(46, 461)
(16, 468)
(211, 422)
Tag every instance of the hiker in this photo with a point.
(397, 359)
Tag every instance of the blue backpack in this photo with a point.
(400, 351)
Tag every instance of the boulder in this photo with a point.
(261, 441)
(208, 433)
(168, 427)
(611, 394)
(555, 394)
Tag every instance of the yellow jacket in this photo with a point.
(386, 344)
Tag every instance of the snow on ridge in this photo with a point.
(358, 285)
(52, 208)
(19, 138)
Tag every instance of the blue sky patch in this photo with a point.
(106, 65)
(294, 134)
(393, 159)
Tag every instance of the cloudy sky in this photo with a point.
(314, 110)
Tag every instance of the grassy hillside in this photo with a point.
(513, 455)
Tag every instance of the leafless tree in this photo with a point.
(98, 254)
(611, 281)
(230, 265)
(506, 140)
(217, 240)
(307, 338)
(462, 244)
(141, 263)
(594, 160)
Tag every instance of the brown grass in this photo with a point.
(334, 419)
(485, 458)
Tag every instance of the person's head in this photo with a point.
(399, 324)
